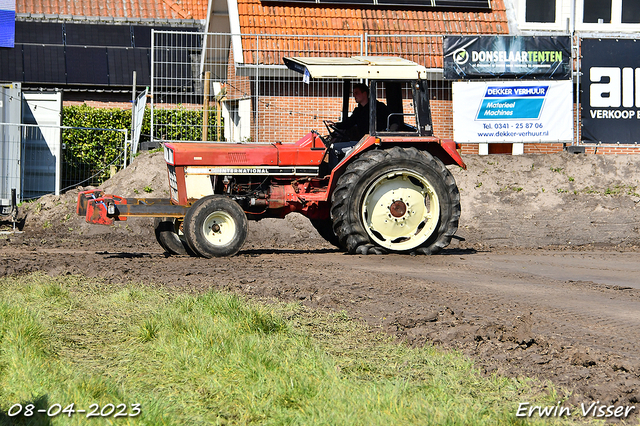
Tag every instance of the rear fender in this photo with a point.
(443, 149)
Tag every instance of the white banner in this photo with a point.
(513, 111)
(138, 117)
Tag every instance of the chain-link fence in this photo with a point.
(235, 87)
(37, 160)
(248, 92)
(240, 81)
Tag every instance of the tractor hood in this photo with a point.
(216, 154)
(307, 152)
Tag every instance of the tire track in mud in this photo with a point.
(575, 305)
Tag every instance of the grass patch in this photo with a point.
(513, 188)
(615, 190)
(219, 359)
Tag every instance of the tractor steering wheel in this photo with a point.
(334, 132)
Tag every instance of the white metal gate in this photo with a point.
(42, 144)
(10, 112)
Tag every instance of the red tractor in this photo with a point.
(387, 192)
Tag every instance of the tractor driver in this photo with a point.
(357, 124)
(353, 128)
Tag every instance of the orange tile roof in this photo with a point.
(258, 17)
(143, 9)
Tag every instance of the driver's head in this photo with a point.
(361, 93)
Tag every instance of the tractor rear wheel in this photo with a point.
(398, 200)
(169, 235)
(215, 226)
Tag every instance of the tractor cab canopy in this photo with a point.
(358, 67)
(399, 83)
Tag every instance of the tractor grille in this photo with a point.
(173, 183)
(237, 158)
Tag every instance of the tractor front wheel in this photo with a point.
(397, 200)
(215, 226)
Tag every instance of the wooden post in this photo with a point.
(219, 117)
(205, 113)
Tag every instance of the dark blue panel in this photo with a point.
(43, 64)
(39, 32)
(141, 36)
(87, 65)
(11, 64)
(471, 4)
(98, 35)
(175, 67)
(406, 2)
(122, 63)
(368, 2)
(175, 39)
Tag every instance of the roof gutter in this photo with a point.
(78, 19)
(234, 26)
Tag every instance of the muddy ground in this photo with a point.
(546, 283)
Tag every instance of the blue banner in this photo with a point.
(512, 102)
(7, 23)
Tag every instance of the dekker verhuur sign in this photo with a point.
(513, 111)
(512, 103)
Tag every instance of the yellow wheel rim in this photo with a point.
(219, 228)
(400, 210)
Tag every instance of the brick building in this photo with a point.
(413, 31)
(273, 29)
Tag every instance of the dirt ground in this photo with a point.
(545, 284)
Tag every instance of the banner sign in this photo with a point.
(471, 57)
(510, 111)
(611, 91)
(7, 23)
(138, 117)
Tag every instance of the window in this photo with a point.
(630, 12)
(597, 11)
(590, 15)
(540, 11)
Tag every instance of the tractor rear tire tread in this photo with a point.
(325, 230)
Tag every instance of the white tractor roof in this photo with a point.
(358, 67)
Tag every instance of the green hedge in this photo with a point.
(90, 152)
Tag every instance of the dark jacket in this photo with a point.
(357, 124)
